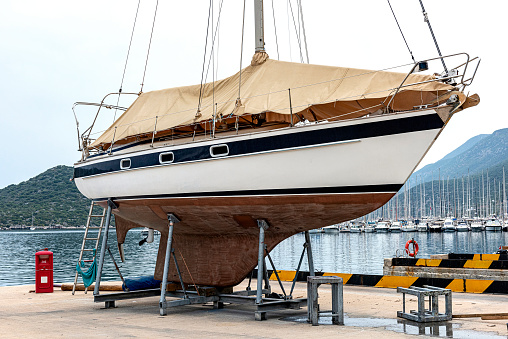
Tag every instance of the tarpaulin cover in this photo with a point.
(317, 92)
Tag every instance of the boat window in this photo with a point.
(219, 150)
(125, 163)
(166, 158)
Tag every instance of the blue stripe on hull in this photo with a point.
(389, 188)
(273, 143)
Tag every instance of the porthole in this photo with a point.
(166, 158)
(125, 163)
(219, 150)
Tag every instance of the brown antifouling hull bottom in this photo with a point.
(216, 242)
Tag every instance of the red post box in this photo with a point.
(44, 271)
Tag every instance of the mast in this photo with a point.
(504, 197)
(433, 205)
(259, 26)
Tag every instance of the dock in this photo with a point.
(370, 312)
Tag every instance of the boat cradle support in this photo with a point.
(209, 294)
(203, 295)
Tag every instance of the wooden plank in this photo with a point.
(495, 317)
(102, 287)
(480, 315)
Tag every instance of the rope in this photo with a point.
(241, 53)
(426, 18)
(296, 31)
(289, 31)
(400, 29)
(303, 30)
(204, 59)
(149, 45)
(275, 28)
(213, 44)
(188, 271)
(126, 59)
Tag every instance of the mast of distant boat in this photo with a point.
(504, 197)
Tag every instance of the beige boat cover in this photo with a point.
(317, 92)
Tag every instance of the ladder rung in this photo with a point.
(94, 227)
(91, 238)
(88, 250)
(97, 216)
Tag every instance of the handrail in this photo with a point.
(83, 138)
(89, 129)
(444, 78)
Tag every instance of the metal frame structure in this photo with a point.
(186, 296)
(313, 309)
(432, 313)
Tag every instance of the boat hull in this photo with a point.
(296, 179)
(217, 238)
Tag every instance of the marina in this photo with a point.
(251, 173)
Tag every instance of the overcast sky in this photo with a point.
(56, 52)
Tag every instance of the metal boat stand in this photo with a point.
(219, 297)
(109, 300)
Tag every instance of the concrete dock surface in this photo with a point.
(370, 312)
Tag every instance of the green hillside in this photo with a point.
(50, 196)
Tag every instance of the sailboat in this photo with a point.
(285, 151)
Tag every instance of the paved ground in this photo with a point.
(371, 312)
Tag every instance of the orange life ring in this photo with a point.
(415, 248)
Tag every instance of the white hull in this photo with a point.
(327, 165)
(408, 229)
(449, 229)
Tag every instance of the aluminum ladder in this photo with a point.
(90, 244)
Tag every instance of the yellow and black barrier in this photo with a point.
(485, 261)
(478, 256)
(390, 281)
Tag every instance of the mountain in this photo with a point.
(480, 153)
(465, 146)
(458, 194)
(50, 196)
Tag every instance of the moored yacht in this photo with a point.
(382, 227)
(448, 225)
(462, 226)
(436, 226)
(423, 226)
(370, 227)
(477, 226)
(395, 227)
(409, 227)
(493, 225)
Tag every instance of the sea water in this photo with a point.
(361, 253)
